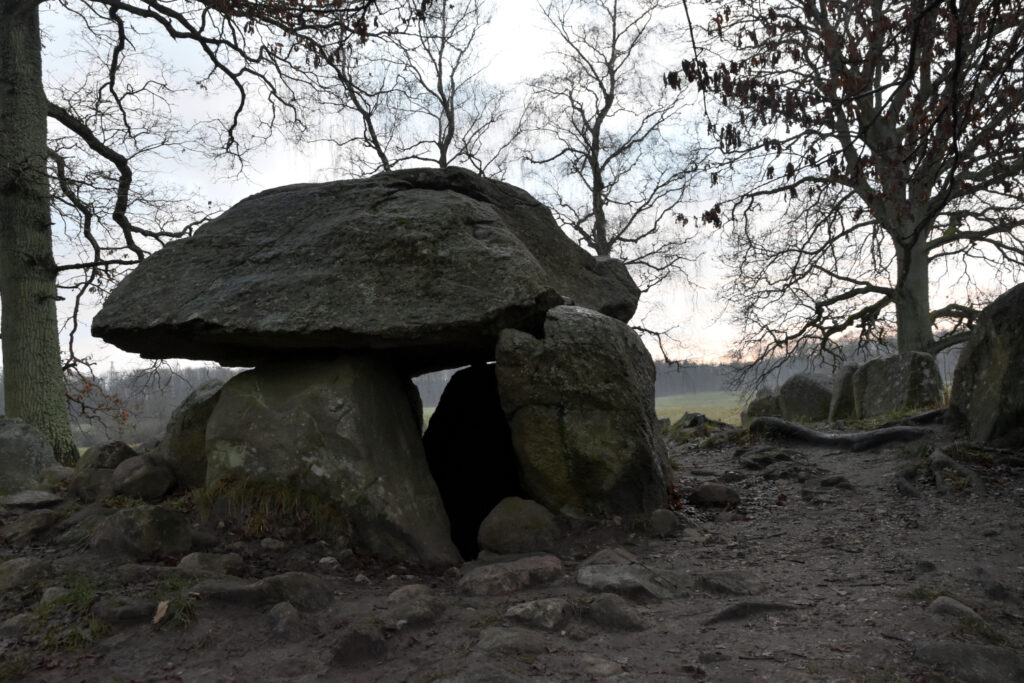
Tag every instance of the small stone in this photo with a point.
(328, 564)
(743, 610)
(143, 532)
(547, 613)
(286, 621)
(516, 525)
(31, 499)
(729, 582)
(220, 563)
(29, 526)
(19, 624)
(948, 606)
(360, 642)
(838, 481)
(599, 667)
(272, 544)
(51, 594)
(361, 578)
(713, 494)
(91, 485)
(973, 662)
(21, 572)
(662, 523)
(506, 577)
(142, 477)
(107, 456)
(613, 612)
(125, 611)
(618, 571)
(511, 641)
(414, 605)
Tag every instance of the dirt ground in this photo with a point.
(836, 571)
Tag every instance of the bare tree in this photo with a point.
(877, 145)
(83, 176)
(417, 95)
(605, 136)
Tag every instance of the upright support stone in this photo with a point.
(580, 405)
(343, 430)
(900, 382)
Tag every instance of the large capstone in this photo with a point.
(427, 264)
(580, 406)
(988, 385)
(344, 431)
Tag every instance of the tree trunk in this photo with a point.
(913, 315)
(33, 377)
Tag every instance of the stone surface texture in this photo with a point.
(183, 446)
(988, 384)
(842, 405)
(428, 264)
(882, 386)
(516, 525)
(24, 452)
(344, 431)
(806, 397)
(580, 405)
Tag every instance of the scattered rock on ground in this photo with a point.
(516, 525)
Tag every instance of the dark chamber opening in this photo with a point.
(469, 451)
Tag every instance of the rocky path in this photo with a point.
(834, 566)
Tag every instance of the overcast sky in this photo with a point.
(515, 46)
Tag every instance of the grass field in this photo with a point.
(717, 405)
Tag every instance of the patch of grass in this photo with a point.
(259, 507)
(66, 623)
(977, 629)
(724, 406)
(14, 668)
(122, 502)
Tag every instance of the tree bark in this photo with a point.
(913, 315)
(33, 375)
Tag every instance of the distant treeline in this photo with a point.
(135, 405)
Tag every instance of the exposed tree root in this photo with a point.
(855, 441)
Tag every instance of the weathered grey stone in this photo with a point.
(618, 571)
(713, 494)
(470, 454)
(125, 610)
(92, 484)
(765, 404)
(511, 640)
(613, 612)
(973, 663)
(24, 452)
(516, 525)
(580, 404)
(31, 499)
(220, 563)
(546, 613)
(882, 386)
(988, 385)
(183, 446)
(143, 532)
(286, 622)
(343, 431)
(19, 624)
(805, 397)
(729, 582)
(500, 578)
(413, 605)
(106, 456)
(307, 592)
(951, 607)
(662, 523)
(360, 642)
(142, 476)
(29, 526)
(428, 264)
(22, 572)
(842, 405)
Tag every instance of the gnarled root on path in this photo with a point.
(854, 441)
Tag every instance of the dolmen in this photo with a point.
(337, 294)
